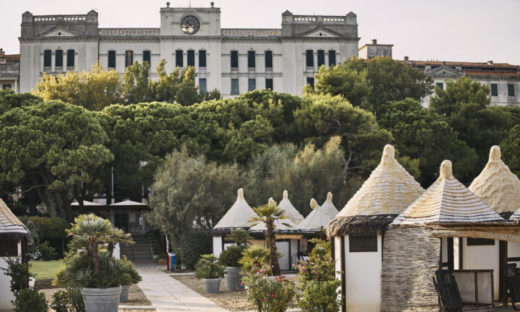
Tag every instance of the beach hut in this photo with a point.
(237, 217)
(425, 238)
(287, 238)
(129, 216)
(14, 239)
(358, 231)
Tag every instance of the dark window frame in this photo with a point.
(251, 59)
(235, 91)
(479, 242)
(179, 58)
(234, 59)
(8, 246)
(309, 58)
(510, 89)
(310, 81)
(251, 84)
(58, 58)
(147, 57)
(129, 58)
(440, 85)
(112, 56)
(205, 89)
(321, 57)
(71, 58)
(269, 84)
(362, 243)
(190, 58)
(268, 59)
(332, 57)
(494, 89)
(47, 58)
(202, 58)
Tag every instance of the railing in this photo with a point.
(475, 286)
(308, 19)
(261, 33)
(129, 32)
(55, 18)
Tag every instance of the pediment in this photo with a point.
(321, 32)
(58, 32)
(445, 71)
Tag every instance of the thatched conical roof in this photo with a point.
(319, 217)
(496, 185)
(283, 225)
(447, 201)
(238, 215)
(292, 213)
(10, 224)
(388, 191)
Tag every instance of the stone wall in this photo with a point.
(410, 259)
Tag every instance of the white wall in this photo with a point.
(363, 278)
(513, 250)
(217, 245)
(482, 258)
(283, 248)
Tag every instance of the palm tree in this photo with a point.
(268, 215)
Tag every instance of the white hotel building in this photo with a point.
(228, 59)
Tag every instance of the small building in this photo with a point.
(358, 231)
(14, 239)
(288, 239)
(427, 236)
(237, 217)
(9, 71)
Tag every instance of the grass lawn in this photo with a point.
(45, 269)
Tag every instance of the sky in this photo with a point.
(448, 30)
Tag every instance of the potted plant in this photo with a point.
(90, 265)
(210, 271)
(229, 258)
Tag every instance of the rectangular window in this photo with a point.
(480, 242)
(251, 84)
(309, 58)
(58, 58)
(269, 59)
(8, 247)
(70, 58)
(129, 58)
(510, 90)
(47, 55)
(251, 59)
(191, 58)
(440, 85)
(202, 58)
(112, 59)
(234, 87)
(269, 83)
(362, 243)
(147, 57)
(310, 81)
(234, 59)
(494, 89)
(179, 58)
(321, 58)
(332, 57)
(203, 85)
(6, 86)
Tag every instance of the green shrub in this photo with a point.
(231, 256)
(50, 228)
(69, 300)
(253, 258)
(267, 293)
(129, 266)
(318, 282)
(192, 247)
(208, 267)
(42, 251)
(19, 273)
(29, 300)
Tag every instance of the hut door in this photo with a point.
(121, 220)
(285, 260)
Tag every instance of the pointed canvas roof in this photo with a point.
(319, 217)
(238, 215)
(9, 223)
(87, 203)
(127, 203)
(390, 189)
(447, 201)
(289, 210)
(284, 225)
(496, 185)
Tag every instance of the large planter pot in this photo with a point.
(124, 294)
(233, 278)
(212, 285)
(101, 299)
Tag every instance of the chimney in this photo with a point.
(374, 41)
(167, 4)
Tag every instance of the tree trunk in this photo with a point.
(271, 243)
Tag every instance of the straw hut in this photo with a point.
(425, 238)
(499, 188)
(287, 238)
(359, 228)
(14, 239)
(237, 217)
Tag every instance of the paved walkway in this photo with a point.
(168, 294)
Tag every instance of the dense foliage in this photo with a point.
(209, 267)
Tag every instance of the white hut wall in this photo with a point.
(363, 264)
(482, 254)
(410, 258)
(10, 246)
(294, 252)
(450, 258)
(303, 246)
(217, 245)
(284, 248)
(513, 253)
